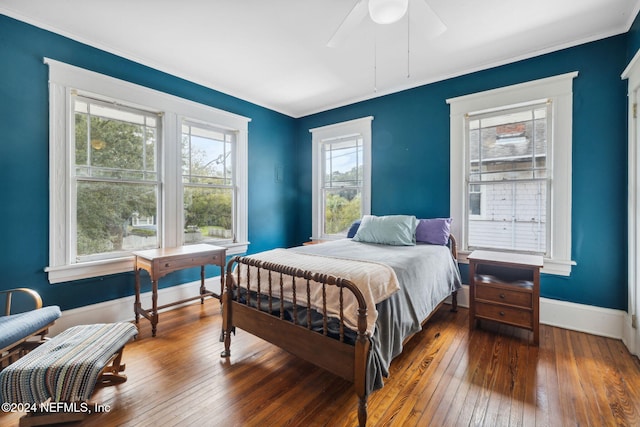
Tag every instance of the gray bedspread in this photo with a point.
(427, 274)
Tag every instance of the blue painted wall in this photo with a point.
(410, 159)
(24, 161)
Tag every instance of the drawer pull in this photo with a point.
(502, 313)
(166, 265)
(502, 296)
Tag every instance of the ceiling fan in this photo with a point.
(388, 12)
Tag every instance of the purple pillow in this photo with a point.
(434, 230)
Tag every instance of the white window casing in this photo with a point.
(64, 80)
(559, 90)
(361, 127)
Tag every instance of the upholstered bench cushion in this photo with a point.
(16, 327)
(65, 368)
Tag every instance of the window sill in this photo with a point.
(86, 270)
(551, 266)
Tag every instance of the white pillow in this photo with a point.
(396, 230)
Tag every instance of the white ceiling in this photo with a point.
(273, 52)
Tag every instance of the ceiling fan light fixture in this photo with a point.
(387, 11)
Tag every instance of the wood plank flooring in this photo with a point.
(445, 377)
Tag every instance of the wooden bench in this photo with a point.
(66, 369)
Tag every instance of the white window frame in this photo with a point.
(558, 89)
(327, 133)
(64, 80)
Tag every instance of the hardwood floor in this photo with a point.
(445, 377)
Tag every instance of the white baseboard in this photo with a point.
(631, 336)
(578, 317)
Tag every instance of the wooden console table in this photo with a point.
(160, 262)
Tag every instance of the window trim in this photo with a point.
(63, 80)
(361, 126)
(559, 90)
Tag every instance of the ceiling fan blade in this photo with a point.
(430, 24)
(350, 22)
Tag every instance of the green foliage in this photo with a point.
(104, 212)
(118, 157)
(340, 212)
(342, 205)
(206, 207)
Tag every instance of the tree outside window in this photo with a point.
(116, 179)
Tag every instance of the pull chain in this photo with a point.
(375, 60)
(409, 40)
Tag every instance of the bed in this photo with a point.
(347, 306)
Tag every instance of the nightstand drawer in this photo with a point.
(513, 316)
(504, 296)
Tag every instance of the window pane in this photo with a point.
(114, 144)
(509, 145)
(342, 184)
(114, 217)
(475, 199)
(507, 197)
(208, 179)
(514, 217)
(208, 214)
(341, 208)
(343, 163)
(206, 156)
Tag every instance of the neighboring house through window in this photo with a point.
(507, 170)
(341, 176)
(511, 170)
(133, 168)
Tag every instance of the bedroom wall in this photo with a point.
(24, 162)
(410, 159)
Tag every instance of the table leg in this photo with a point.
(202, 288)
(154, 309)
(136, 304)
(221, 292)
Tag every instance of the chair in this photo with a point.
(18, 329)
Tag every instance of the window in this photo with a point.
(341, 175)
(511, 170)
(208, 181)
(132, 168)
(507, 164)
(115, 181)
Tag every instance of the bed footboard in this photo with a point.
(259, 308)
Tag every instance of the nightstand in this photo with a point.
(505, 287)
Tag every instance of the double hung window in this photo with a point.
(511, 170)
(208, 181)
(116, 179)
(132, 168)
(341, 176)
(342, 173)
(507, 179)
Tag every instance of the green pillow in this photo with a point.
(396, 230)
